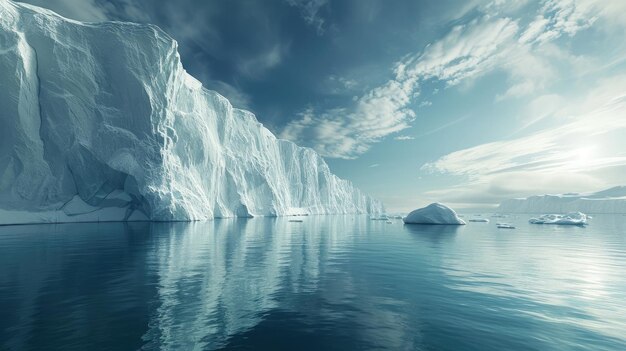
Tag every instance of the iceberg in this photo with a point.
(435, 213)
(611, 201)
(100, 122)
(574, 218)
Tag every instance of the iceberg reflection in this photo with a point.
(217, 279)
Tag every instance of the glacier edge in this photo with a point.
(100, 122)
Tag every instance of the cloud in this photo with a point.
(534, 30)
(84, 10)
(310, 10)
(524, 53)
(255, 66)
(339, 85)
(567, 157)
(567, 17)
(404, 137)
(425, 103)
(349, 132)
(469, 50)
(444, 126)
(513, 185)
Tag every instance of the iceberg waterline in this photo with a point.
(99, 121)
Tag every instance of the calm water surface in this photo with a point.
(328, 283)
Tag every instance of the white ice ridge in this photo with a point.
(574, 218)
(100, 122)
(611, 200)
(435, 213)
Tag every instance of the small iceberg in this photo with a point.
(574, 218)
(505, 226)
(296, 220)
(435, 213)
(381, 218)
(482, 220)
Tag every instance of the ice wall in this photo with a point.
(100, 122)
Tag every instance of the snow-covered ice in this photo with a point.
(611, 200)
(435, 213)
(100, 122)
(574, 218)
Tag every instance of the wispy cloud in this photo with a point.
(444, 126)
(340, 85)
(570, 153)
(467, 51)
(85, 10)
(310, 10)
(262, 62)
(425, 103)
(404, 137)
(349, 132)
(495, 40)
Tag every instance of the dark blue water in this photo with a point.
(328, 283)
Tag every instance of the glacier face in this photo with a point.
(99, 121)
(610, 201)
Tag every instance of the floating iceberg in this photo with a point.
(574, 218)
(435, 213)
(611, 200)
(100, 122)
(481, 220)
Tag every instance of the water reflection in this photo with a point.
(329, 282)
(433, 233)
(217, 279)
(63, 286)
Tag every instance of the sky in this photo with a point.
(465, 102)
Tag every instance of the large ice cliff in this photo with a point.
(612, 200)
(100, 122)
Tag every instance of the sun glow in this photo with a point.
(582, 158)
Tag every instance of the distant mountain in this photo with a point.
(611, 200)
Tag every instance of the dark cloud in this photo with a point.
(276, 57)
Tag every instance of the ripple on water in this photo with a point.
(329, 282)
